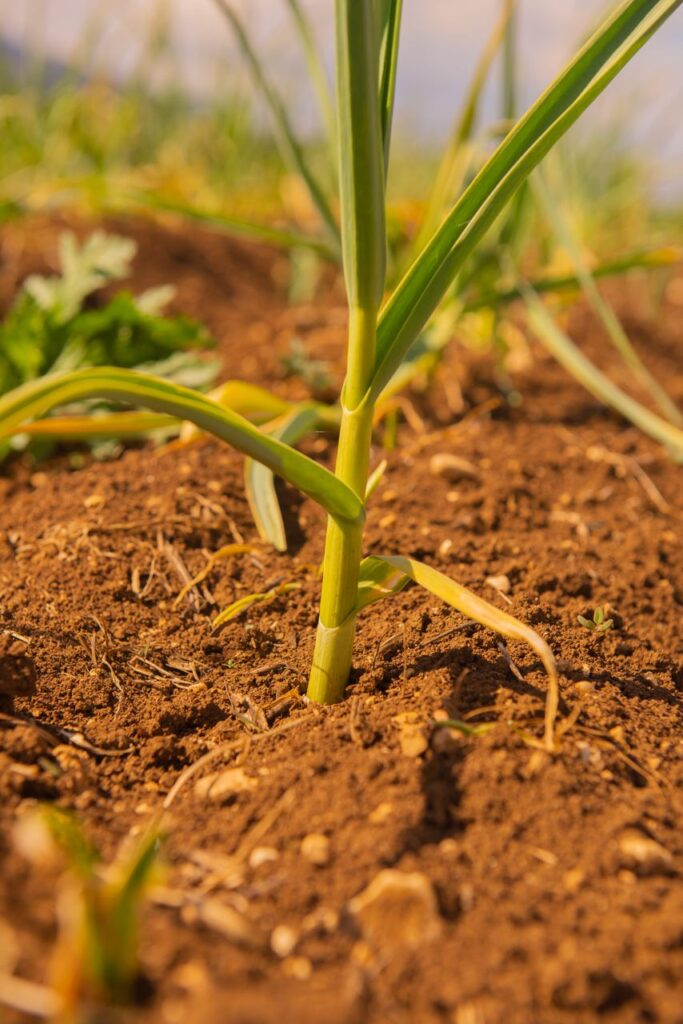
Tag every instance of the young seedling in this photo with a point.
(99, 906)
(380, 331)
(598, 624)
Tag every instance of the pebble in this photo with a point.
(452, 467)
(381, 813)
(262, 855)
(499, 583)
(315, 848)
(283, 940)
(298, 967)
(643, 855)
(412, 736)
(218, 785)
(397, 910)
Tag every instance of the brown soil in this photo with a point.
(557, 879)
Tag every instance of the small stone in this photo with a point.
(617, 733)
(537, 762)
(397, 910)
(388, 520)
(224, 919)
(315, 848)
(283, 940)
(452, 467)
(218, 785)
(322, 921)
(94, 501)
(381, 813)
(298, 967)
(262, 855)
(500, 583)
(445, 546)
(573, 879)
(412, 737)
(643, 855)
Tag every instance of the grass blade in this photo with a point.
(457, 157)
(259, 481)
(581, 368)
(388, 62)
(601, 307)
(279, 237)
(111, 425)
(316, 69)
(244, 603)
(289, 145)
(383, 575)
(127, 386)
(423, 286)
(642, 259)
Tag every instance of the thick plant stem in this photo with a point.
(337, 623)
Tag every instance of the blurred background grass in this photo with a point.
(99, 105)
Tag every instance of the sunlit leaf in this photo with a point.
(38, 397)
(383, 575)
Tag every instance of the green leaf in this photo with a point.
(219, 222)
(582, 81)
(383, 575)
(259, 481)
(361, 172)
(662, 256)
(601, 307)
(582, 369)
(361, 181)
(316, 69)
(390, 31)
(290, 147)
(457, 156)
(244, 603)
(109, 425)
(84, 268)
(37, 397)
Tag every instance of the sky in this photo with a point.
(439, 46)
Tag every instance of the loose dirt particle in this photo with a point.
(398, 909)
(315, 848)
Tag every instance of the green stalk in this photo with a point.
(361, 180)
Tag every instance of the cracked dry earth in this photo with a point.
(359, 864)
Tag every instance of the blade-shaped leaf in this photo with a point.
(259, 481)
(111, 425)
(388, 62)
(425, 283)
(244, 603)
(457, 155)
(383, 575)
(129, 387)
(642, 259)
(361, 185)
(316, 69)
(219, 222)
(289, 144)
(582, 369)
(609, 319)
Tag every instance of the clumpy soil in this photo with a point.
(543, 890)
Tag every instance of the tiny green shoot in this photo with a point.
(598, 623)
